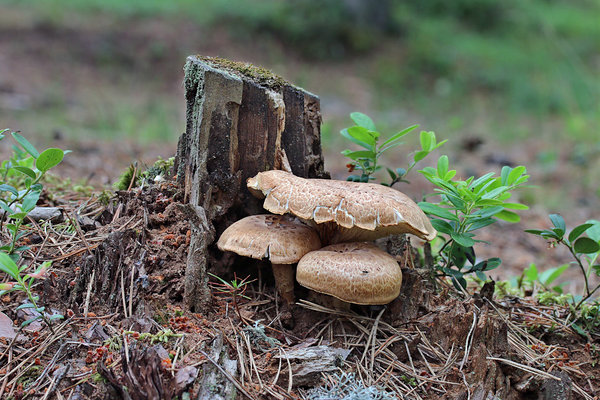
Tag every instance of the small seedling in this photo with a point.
(18, 200)
(365, 135)
(24, 283)
(582, 248)
(234, 289)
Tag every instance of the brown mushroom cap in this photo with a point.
(364, 211)
(281, 239)
(358, 273)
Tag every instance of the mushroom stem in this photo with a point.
(340, 305)
(284, 281)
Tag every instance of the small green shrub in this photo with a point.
(18, 196)
(365, 134)
(583, 243)
(465, 207)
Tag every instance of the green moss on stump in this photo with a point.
(260, 75)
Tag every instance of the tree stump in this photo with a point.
(241, 120)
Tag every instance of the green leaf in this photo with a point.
(364, 135)
(515, 206)
(495, 192)
(594, 231)
(426, 141)
(504, 175)
(491, 263)
(419, 155)
(26, 305)
(29, 321)
(442, 226)
(24, 170)
(30, 201)
(550, 275)
(49, 158)
(515, 174)
(558, 222)
(531, 273)
(488, 212)
(400, 134)
(438, 211)
(440, 144)
(481, 180)
(18, 215)
(344, 133)
(534, 231)
(392, 174)
(463, 239)
(480, 223)
(355, 155)
(8, 266)
(580, 330)
(8, 188)
(508, 216)
(596, 269)
(363, 120)
(578, 231)
(449, 175)
(442, 166)
(586, 245)
(481, 276)
(26, 145)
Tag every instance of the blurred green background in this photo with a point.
(520, 76)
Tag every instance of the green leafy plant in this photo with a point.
(365, 135)
(531, 278)
(583, 243)
(19, 194)
(466, 206)
(18, 201)
(24, 282)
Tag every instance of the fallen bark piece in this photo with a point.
(309, 362)
(54, 214)
(216, 383)
(7, 329)
(558, 390)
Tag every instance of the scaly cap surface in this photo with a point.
(358, 273)
(281, 239)
(364, 211)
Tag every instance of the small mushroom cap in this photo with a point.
(369, 210)
(279, 238)
(358, 273)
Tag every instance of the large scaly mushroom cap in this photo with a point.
(280, 239)
(358, 273)
(361, 211)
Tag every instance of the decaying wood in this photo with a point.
(241, 120)
(142, 376)
(308, 363)
(217, 383)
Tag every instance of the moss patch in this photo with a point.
(260, 75)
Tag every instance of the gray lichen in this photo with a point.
(348, 387)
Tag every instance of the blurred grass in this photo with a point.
(505, 70)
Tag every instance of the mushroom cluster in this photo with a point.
(339, 214)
